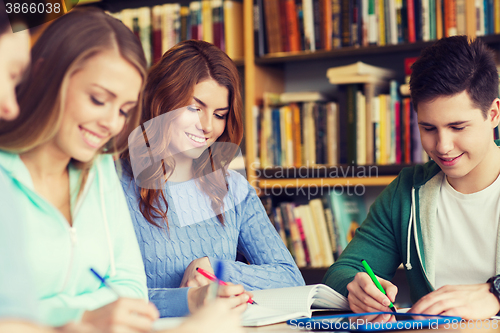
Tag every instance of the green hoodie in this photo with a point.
(60, 256)
(398, 229)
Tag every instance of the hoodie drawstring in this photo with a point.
(106, 226)
(410, 224)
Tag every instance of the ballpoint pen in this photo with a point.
(103, 280)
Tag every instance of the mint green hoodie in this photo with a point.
(60, 256)
(399, 229)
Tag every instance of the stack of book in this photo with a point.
(316, 233)
(160, 27)
(295, 25)
(376, 125)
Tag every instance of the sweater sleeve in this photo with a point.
(271, 265)
(17, 294)
(374, 240)
(171, 302)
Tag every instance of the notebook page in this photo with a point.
(291, 299)
(326, 297)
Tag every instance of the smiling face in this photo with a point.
(14, 58)
(459, 139)
(200, 124)
(99, 97)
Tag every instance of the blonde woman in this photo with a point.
(77, 106)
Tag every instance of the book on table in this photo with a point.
(279, 305)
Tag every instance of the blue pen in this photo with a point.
(103, 280)
(213, 290)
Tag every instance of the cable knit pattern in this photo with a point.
(194, 232)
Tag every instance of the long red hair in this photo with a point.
(170, 86)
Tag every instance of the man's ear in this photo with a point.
(494, 113)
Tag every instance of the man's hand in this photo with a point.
(364, 296)
(473, 301)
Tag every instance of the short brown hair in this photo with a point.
(452, 65)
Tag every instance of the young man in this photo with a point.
(440, 219)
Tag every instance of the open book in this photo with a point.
(278, 305)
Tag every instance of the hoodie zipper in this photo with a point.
(74, 240)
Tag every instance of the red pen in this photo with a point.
(212, 277)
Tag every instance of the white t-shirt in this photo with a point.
(466, 235)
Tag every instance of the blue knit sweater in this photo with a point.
(195, 232)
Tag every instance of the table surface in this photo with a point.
(483, 326)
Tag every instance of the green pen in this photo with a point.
(375, 280)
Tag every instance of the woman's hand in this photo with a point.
(364, 295)
(235, 294)
(123, 315)
(223, 315)
(192, 278)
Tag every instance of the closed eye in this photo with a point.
(124, 113)
(458, 128)
(220, 116)
(428, 129)
(95, 101)
(193, 108)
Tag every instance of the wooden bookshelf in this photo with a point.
(273, 72)
(325, 182)
(344, 52)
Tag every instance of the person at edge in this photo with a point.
(17, 302)
(53, 164)
(186, 221)
(439, 219)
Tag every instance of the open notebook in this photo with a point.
(278, 305)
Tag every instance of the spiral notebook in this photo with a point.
(279, 305)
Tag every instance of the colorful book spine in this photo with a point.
(351, 123)
(308, 18)
(206, 21)
(450, 18)
(346, 21)
(156, 33)
(293, 26)
(317, 22)
(326, 24)
(381, 23)
(218, 24)
(496, 17)
(412, 35)
(372, 23)
(271, 12)
(195, 19)
(283, 25)
(336, 24)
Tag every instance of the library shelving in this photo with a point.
(306, 70)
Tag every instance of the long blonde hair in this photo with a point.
(60, 51)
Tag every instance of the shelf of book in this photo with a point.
(325, 182)
(282, 57)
